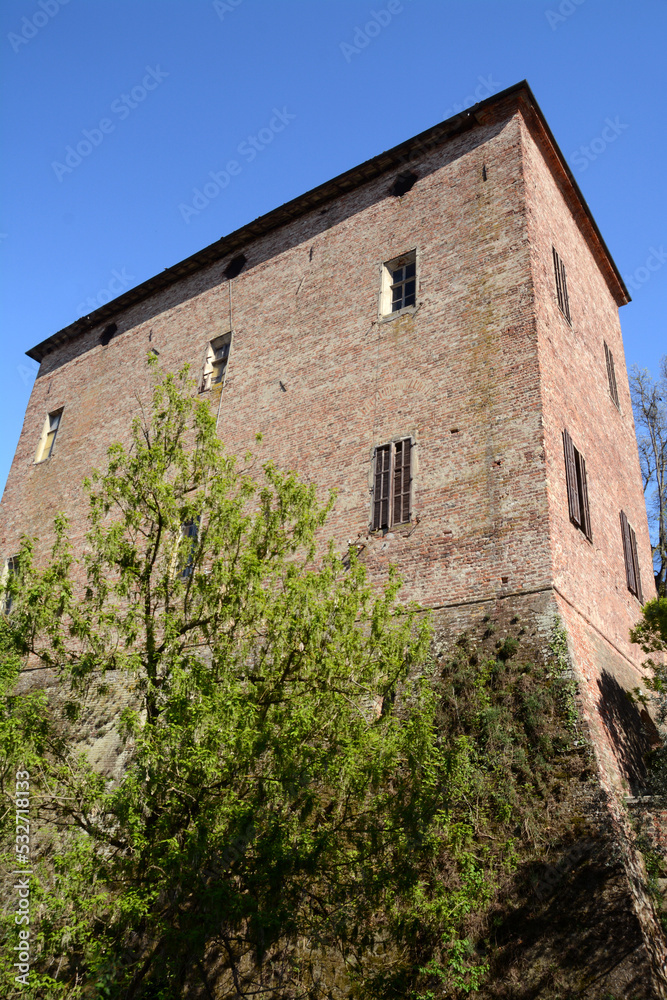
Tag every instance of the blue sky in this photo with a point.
(157, 94)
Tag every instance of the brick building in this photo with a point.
(435, 333)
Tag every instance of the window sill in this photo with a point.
(382, 532)
(407, 311)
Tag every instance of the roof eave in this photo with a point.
(398, 156)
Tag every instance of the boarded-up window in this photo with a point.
(577, 487)
(611, 373)
(392, 482)
(561, 286)
(632, 575)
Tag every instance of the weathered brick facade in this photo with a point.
(484, 374)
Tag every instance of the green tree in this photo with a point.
(272, 819)
(649, 402)
(651, 634)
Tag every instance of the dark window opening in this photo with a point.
(392, 485)
(235, 266)
(632, 576)
(190, 536)
(107, 333)
(577, 487)
(611, 374)
(561, 286)
(403, 183)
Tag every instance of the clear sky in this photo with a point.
(115, 111)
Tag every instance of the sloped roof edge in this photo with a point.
(398, 156)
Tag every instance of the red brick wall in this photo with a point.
(304, 312)
(485, 374)
(575, 395)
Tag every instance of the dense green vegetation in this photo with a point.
(307, 801)
(651, 634)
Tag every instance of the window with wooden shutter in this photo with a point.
(392, 484)
(632, 575)
(561, 286)
(402, 452)
(611, 373)
(381, 487)
(577, 487)
(571, 478)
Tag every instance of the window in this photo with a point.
(577, 490)
(403, 183)
(392, 482)
(215, 365)
(631, 561)
(190, 535)
(47, 440)
(399, 284)
(611, 374)
(11, 569)
(561, 286)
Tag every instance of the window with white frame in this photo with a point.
(215, 365)
(48, 438)
(399, 284)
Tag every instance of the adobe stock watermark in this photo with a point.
(363, 36)
(249, 150)
(23, 872)
(565, 9)
(485, 87)
(27, 375)
(656, 259)
(585, 155)
(222, 7)
(118, 282)
(122, 107)
(31, 26)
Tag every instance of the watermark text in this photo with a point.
(122, 107)
(23, 871)
(30, 26)
(248, 149)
